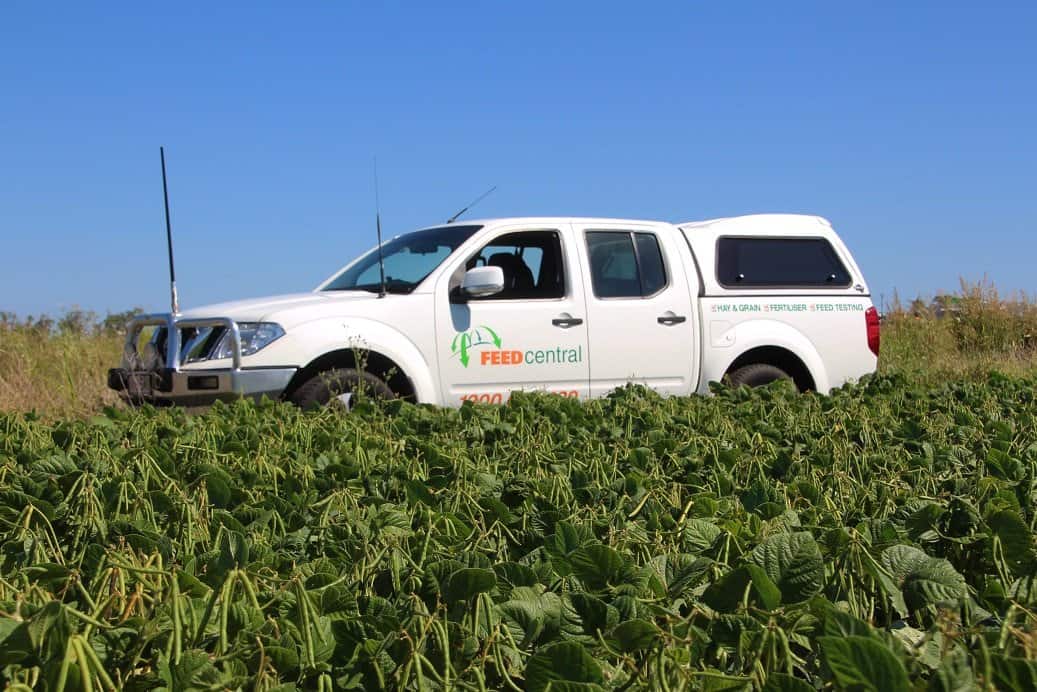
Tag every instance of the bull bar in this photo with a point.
(172, 384)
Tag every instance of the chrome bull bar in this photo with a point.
(140, 381)
(173, 325)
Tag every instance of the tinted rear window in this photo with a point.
(779, 263)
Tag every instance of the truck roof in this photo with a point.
(550, 219)
(789, 221)
(805, 221)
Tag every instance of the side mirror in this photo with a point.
(480, 282)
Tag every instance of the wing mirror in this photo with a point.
(480, 282)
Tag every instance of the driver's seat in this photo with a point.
(517, 276)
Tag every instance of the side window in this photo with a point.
(532, 263)
(625, 264)
(779, 263)
(650, 257)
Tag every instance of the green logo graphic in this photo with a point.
(476, 336)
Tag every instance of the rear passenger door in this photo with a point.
(640, 308)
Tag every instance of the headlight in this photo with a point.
(254, 337)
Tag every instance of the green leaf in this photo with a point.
(634, 635)
(531, 613)
(953, 674)
(699, 534)
(839, 623)
(527, 617)
(441, 570)
(923, 524)
(283, 658)
(323, 639)
(595, 615)
(599, 566)
(780, 682)
(49, 629)
(15, 643)
(513, 574)
(1016, 540)
(562, 662)
(793, 562)
(923, 580)
(566, 540)
(337, 601)
(885, 580)
(218, 489)
(233, 551)
(47, 574)
(190, 585)
(194, 671)
(1001, 465)
(718, 682)
(684, 573)
(418, 492)
(465, 584)
(862, 663)
(1012, 673)
(748, 581)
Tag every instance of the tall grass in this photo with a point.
(58, 367)
(962, 335)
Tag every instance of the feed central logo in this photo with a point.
(464, 342)
(487, 342)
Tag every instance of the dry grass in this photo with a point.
(58, 368)
(963, 335)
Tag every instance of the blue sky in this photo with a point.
(910, 125)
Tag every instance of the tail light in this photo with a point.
(871, 319)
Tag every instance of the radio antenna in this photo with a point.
(378, 226)
(472, 204)
(174, 299)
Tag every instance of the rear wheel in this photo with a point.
(756, 375)
(341, 386)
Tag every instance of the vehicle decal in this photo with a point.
(788, 307)
(488, 343)
(501, 397)
(533, 356)
(473, 338)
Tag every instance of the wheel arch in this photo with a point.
(378, 364)
(378, 348)
(779, 357)
(770, 342)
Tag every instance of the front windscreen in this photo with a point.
(408, 259)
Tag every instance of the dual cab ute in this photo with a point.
(575, 306)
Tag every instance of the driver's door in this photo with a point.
(530, 336)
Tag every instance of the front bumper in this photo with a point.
(167, 382)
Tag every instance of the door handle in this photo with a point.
(566, 322)
(672, 319)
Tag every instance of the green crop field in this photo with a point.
(881, 538)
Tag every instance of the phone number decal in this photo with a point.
(499, 397)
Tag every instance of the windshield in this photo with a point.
(408, 259)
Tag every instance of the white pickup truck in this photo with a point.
(574, 306)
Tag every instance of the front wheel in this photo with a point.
(757, 375)
(340, 386)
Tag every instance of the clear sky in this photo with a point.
(911, 125)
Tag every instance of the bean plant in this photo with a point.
(879, 538)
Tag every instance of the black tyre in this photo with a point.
(756, 375)
(341, 386)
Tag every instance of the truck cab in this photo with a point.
(573, 306)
